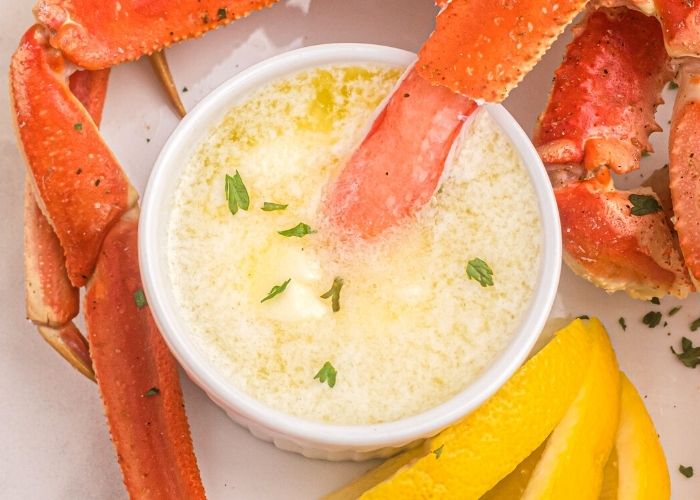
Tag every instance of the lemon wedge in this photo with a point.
(572, 463)
(637, 469)
(469, 458)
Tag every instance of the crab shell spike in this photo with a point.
(684, 169)
(398, 165)
(137, 376)
(483, 48)
(615, 250)
(601, 109)
(78, 181)
(103, 34)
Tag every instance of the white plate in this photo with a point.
(53, 436)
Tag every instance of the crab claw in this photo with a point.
(616, 250)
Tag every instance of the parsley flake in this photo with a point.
(221, 14)
(686, 471)
(652, 319)
(271, 207)
(300, 230)
(655, 300)
(276, 290)
(327, 374)
(480, 271)
(334, 293)
(623, 323)
(78, 126)
(583, 316)
(643, 204)
(236, 193)
(689, 356)
(674, 310)
(140, 299)
(672, 85)
(438, 451)
(645, 153)
(153, 391)
(695, 325)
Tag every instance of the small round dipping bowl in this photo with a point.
(310, 438)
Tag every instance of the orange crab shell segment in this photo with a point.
(616, 250)
(90, 88)
(680, 20)
(601, 110)
(398, 165)
(51, 298)
(483, 48)
(684, 170)
(96, 35)
(137, 376)
(82, 188)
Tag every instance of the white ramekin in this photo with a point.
(314, 439)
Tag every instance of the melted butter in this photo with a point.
(412, 329)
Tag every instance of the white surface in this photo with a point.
(314, 439)
(53, 436)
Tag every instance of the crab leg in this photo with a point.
(599, 116)
(137, 375)
(52, 302)
(479, 51)
(96, 36)
(397, 167)
(684, 170)
(92, 208)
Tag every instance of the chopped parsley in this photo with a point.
(674, 310)
(271, 207)
(334, 293)
(78, 126)
(327, 374)
(655, 300)
(236, 193)
(652, 319)
(140, 299)
(583, 316)
(438, 451)
(672, 85)
(480, 271)
(276, 290)
(686, 471)
(689, 356)
(643, 204)
(695, 325)
(153, 391)
(300, 230)
(645, 153)
(623, 323)
(221, 13)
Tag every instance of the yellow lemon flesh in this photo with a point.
(469, 458)
(637, 469)
(572, 464)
